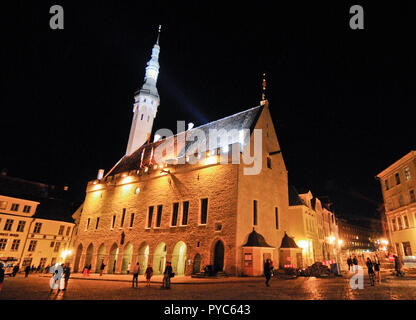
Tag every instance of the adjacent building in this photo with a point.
(398, 186)
(33, 230)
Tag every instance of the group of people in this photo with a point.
(167, 275)
(59, 271)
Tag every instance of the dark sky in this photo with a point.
(342, 100)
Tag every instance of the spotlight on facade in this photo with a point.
(66, 253)
(331, 239)
(211, 160)
(303, 244)
(340, 242)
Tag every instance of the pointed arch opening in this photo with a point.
(159, 259)
(179, 258)
(127, 256)
(143, 257)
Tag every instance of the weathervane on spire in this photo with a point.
(263, 91)
(158, 34)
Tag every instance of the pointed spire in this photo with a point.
(158, 34)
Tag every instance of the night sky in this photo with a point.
(342, 100)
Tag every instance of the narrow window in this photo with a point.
(57, 245)
(386, 183)
(185, 210)
(52, 244)
(175, 214)
(123, 216)
(97, 223)
(68, 230)
(269, 163)
(412, 196)
(255, 212)
(204, 210)
(400, 223)
(159, 215)
(88, 224)
(131, 220)
(149, 217)
(14, 207)
(61, 229)
(142, 117)
(15, 245)
(397, 178)
(406, 222)
(113, 223)
(276, 217)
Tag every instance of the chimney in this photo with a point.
(100, 174)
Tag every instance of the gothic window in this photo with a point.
(123, 216)
(397, 178)
(407, 173)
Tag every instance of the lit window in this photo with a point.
(3, 205)
(407, 173)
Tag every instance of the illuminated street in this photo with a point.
(37, 288)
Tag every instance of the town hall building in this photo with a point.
(191, 214)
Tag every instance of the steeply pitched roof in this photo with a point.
(288, 242)
(294, 199)
(256, 240)
(144, 155)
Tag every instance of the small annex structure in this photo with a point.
(256, 252)
(290, 253)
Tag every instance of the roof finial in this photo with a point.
(158, 34)
(263, 92)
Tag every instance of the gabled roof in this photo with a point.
(22, 189)
(256, 240)
(294, 199)
(144, 155)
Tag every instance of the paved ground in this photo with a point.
(37, 288)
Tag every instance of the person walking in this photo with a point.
(167, 275)
(355, 263)
(47, 268)
(377, 269)
(102, 268)
(149, 273)
(15, 270)
(349, 262)
(398, 266)
(1, 276)
(135, 271)
(85, 270)
(67, 274)
(370, 271)
(27, 270)
(267, 272)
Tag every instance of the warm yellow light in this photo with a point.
(384, 241)
(66, 253)
(340, 242)
(97, 187)
(331, 239)
(303, 244)
(155, 167)
(161, 166)
(211, 160)
(127, 180)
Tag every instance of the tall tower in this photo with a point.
(146, 101)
